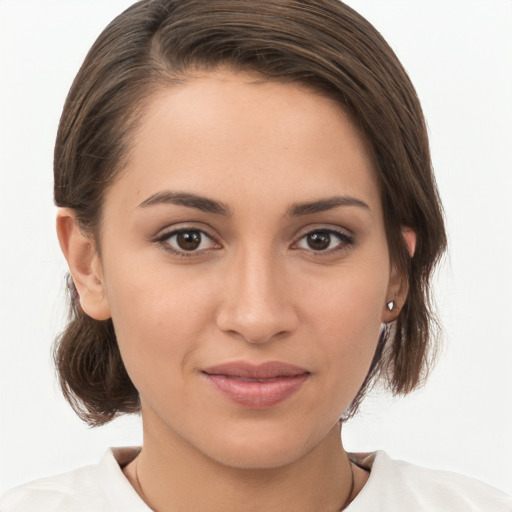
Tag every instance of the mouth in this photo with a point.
(256, 386)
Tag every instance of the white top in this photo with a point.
(393, 486)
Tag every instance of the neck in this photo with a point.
(170, 475)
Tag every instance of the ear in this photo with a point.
(84, 264)
(398, 285)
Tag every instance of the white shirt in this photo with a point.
(393, 486)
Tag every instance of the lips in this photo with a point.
(256, 386)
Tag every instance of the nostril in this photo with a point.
(255, 304)
(257, 330)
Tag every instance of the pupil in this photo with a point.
(319, 241)
(189, 240)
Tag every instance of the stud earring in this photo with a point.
(391, 305)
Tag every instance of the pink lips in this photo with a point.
(256, 386)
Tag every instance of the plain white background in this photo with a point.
(459, 55)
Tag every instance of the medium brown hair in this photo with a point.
(322, 44)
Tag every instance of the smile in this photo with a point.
(256, 387)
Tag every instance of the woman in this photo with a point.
(250, 220)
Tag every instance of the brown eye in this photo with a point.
(184, 241)
(325, 241)
(188, 240)
(319, 240)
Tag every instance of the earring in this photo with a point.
(391, 305)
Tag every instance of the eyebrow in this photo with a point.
(322, 205)
(189, 200)
(216, 207)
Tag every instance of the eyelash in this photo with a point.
(164, 241)
(345, 241)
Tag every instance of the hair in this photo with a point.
(321, 44)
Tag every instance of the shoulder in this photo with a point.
(71, 491)
(399, 486)
(101, 487)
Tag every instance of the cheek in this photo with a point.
(349, 355)
(348, 300)
(345, 316)
(349, 341)
(158, 320)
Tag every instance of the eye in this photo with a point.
(187, 241)
(324, 240)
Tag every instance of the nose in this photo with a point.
(257, 305)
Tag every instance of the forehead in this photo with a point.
(237, 133)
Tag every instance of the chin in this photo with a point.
(258, 457)
(266, 448)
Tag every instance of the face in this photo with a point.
(245, 266)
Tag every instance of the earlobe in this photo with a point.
(398, 285)
(84, 265)
(391, 311)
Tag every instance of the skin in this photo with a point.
(254, 290)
